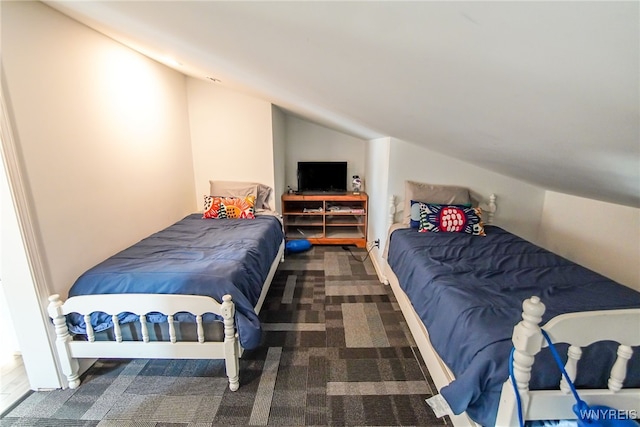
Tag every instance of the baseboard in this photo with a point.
(376, 261)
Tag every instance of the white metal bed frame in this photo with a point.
(577, 329)
(69, 351)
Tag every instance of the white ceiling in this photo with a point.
(546, 92)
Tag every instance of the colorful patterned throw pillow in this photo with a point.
(414, 221)
(229, 207)
(450, 219)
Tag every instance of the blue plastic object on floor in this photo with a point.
(298, 245)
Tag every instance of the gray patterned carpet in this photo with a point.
(336, 353)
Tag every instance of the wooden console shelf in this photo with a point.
(326, 219)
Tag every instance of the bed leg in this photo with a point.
(230, 343)
(68, 364)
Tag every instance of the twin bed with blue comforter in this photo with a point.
(468, 292)
(197, 272)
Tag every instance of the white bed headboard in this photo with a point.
(488, 209)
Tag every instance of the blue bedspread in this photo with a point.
(468, 291)
(194, 256)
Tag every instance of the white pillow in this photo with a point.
(435, 194)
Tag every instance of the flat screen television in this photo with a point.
(322, 177)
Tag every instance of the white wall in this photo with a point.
(602, 236)
(377, 178)
(308, 141)
(519, 204)
(231, 136)
(279, 156)
(103, 134)
(10, 345)
(103, 141)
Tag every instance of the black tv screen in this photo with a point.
(322, 176)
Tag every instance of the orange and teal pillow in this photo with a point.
(229, 207)
(450, 219)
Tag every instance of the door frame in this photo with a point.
(26, 281)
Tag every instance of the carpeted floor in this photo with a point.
(335, 352)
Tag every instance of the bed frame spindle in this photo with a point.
(391, 211)
(90, 333)
(488, 209)
(619, 369)
(491, 208)
(144, 328)
(172, 329)
(200, 328)
(116, 328)
(574, 353)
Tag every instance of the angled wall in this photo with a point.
(103, 134)
(231, 136)
(102, 140)
(519, 203)
(307, 141)
(602, 236)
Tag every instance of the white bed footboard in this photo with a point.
(142, 304)
(69, 350)
(579, 330)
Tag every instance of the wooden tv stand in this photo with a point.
(326, 219)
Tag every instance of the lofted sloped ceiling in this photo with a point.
(545, 92)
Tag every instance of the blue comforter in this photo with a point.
(468, 291)
(194, 256)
